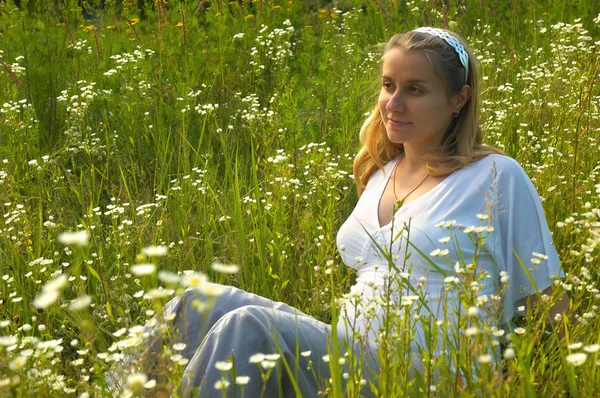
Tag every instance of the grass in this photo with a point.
(225, 132)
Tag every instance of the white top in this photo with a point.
(495, 186)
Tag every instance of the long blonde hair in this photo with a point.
(463, 142)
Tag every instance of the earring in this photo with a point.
(456, 115)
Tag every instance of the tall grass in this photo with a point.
(225, 132)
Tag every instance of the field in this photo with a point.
(174, 138)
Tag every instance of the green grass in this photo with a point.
(163, 127)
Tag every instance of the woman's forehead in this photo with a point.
(408, 64)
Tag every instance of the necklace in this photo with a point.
(412, 190)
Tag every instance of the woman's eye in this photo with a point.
(414, 89)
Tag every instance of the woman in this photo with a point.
(421, 148)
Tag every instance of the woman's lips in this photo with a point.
(398, 123)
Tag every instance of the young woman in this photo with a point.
(421, 147)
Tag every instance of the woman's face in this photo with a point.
(414, 103)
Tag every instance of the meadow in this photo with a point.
(143, 150)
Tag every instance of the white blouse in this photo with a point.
(492, 196)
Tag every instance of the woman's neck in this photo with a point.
(414, 161)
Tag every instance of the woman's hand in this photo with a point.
(560, 307)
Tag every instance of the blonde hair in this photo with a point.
(463, 142)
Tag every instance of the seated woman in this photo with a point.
(429, 191)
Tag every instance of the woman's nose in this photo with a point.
(396, 103)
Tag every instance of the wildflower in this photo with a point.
(272, 357)
(520, 331)
(540, 255)
(77, 238)
(484, 359)
(435, 252)
(325, 358)
(223, 366)
(50, 292)
(305, 354)
(17, 363)
(222, 385)
(80, 303)
(473, 311)
(257, 358)
(168, 277)
(58, 283)
(178, 357)
(158, 293)
(225, 268)
(179, 346)
(154, 251)
(194, 280)
(576, 359)
(509, 353)
(120, 332)
(211, 289)
(242, 380)
(136, 381)
(591, 348)
(266, 364)
(143, 269)
(471, 331)
(46, 299)
(574, 346)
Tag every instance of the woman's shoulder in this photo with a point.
(495, 164)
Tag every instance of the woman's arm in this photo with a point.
(561, 307)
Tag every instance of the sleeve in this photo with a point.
(524, 247)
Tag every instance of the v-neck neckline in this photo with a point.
(404, 206)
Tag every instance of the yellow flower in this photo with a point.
(276, 7)
(110, 27)
(249, 16)
(88, 28)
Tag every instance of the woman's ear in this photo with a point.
(461, 98)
